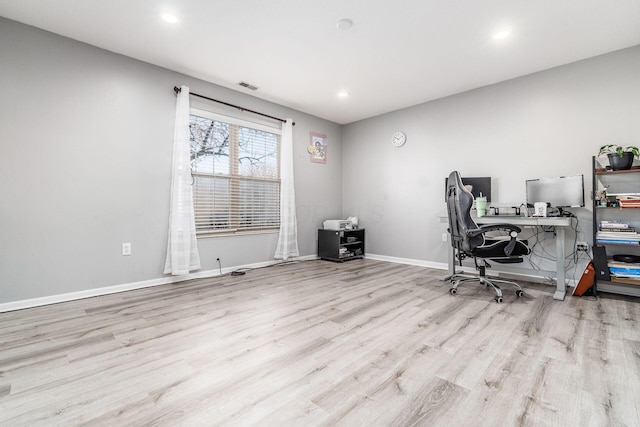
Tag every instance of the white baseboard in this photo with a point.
(71, 296)
(55, 299)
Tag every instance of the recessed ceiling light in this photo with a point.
(169, 17)
(343, 93)
(501, 35)
(344, 24)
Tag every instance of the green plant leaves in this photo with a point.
(619, 150)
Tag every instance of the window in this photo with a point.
(236, 175)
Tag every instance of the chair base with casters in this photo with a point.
(485, 280)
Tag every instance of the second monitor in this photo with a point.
(558, 192)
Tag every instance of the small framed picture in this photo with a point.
(318, 148)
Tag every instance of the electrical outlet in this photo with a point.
(126, 249)
(445, 237)
(582, 247)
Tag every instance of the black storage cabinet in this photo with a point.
(341, 245)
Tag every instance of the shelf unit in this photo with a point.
(629, 180)
(341, 245)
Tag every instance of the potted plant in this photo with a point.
(620, 157)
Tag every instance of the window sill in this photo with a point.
(230, 233)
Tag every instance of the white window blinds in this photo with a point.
(236, 174)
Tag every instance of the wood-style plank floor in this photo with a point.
(364, 343)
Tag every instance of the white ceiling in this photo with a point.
(397, 54)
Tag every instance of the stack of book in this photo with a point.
(626, 270)
(345, 253)
(619, 233)
(629, 201)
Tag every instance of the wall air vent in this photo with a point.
(248, 85)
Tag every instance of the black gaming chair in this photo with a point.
(468, 240)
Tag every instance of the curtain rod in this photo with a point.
(176, 89)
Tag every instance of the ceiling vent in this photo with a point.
(248, 86)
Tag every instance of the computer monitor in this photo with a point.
(558, 192)
(479, 185)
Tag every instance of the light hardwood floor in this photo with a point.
(364, 343)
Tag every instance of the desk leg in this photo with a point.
(451, 265)
(560, 280)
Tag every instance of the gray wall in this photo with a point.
(86, 145)
(542, 125)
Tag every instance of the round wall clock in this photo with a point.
(399, 138)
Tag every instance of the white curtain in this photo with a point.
(288, 237)
(182, 248)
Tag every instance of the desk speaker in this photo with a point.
(600, 263)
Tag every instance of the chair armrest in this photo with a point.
(512, 229)
(493, 227)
